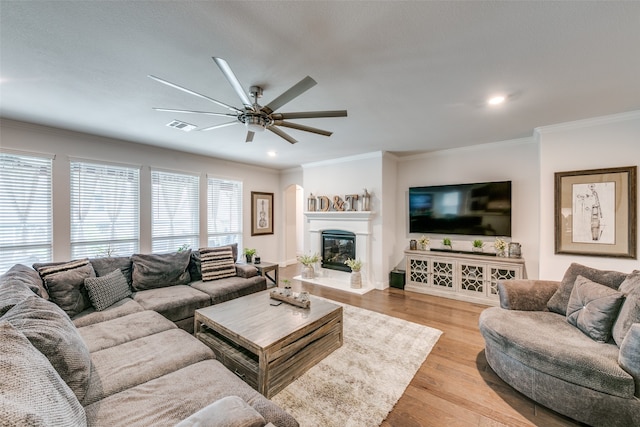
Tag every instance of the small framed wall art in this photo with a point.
(595, 212)
(261, 213)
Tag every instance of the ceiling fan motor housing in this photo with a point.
(255, 122)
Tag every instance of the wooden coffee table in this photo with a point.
(269, 346)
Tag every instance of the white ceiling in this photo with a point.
(414, 76)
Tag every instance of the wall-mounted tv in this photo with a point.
(482, 209)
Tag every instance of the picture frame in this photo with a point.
(261, 213)
(596, 211)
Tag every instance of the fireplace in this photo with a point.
(337, 247)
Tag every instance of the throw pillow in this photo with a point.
(630, 310)
(65, 284)
(229, 411)
(32, 391)
(217, 263)
(51, 331)
(104, 291)
(629, 356)
(106, 265)
(152, 271)
(559, 301)
(593, 308)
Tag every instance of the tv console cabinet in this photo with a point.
(460, 275)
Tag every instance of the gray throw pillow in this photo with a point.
(229, 411)
(559, 301)
(106, 265)
(151, 271)
(104, 291)
(630, 310)
(65, 284)
(217, 263)
(593, 308)
(51, 331)
(32, 391)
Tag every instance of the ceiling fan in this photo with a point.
(255, 117)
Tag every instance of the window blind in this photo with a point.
(26, 220)
(105, 210)
(224, 212)
(175, 211)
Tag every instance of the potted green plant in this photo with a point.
(477, 245)
(446, 242)
(249, 253)
(356, 277)
(307, 261)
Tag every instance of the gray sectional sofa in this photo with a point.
(572, 346)
(107, 342)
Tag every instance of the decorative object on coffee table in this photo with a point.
(307, 261)
(290, 298)
(356, 275)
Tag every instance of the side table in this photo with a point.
(265, 267)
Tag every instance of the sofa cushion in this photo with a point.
(629, 357)
(51, 331)
(65, 284)
(119, 309)
(593, 308)
(546, 342)
(175, 302)
(189, 390)
(32, 391)
(559, 301)
(630, 310)
(28, 276)
(105, 291)
(246, 271)
(124, 329)
(106, 265)
(135, 362)
(229, 288)
(230, 411)
(13, 292)
(217, 263)
(151, 271)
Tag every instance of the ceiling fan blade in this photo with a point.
(302, 127)
(189, 91)
(291, 93)
(249, 136)
(233, 81)
(309, 115)
(172, 110)
(223, 125)
(281, 134)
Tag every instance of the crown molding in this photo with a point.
(583, 123)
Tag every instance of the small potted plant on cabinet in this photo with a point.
(249, 253)
(423, 242)
(477, 245)
(446, 243)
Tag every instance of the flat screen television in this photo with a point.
(481, 209)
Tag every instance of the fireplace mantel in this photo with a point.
(358, 222)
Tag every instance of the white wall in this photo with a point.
(604, 142)
(65, 144)
(516, 161)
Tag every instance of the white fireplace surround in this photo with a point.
(357, 222)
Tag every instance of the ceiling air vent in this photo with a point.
(183, 126)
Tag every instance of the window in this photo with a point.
(175, 211)
(224, 212)
(105, 210)
(26, 224)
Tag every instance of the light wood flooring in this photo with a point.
(454, 386)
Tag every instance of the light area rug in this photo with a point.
(358, 384)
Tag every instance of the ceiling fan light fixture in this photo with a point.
(256, 123)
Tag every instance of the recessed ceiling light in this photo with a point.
(271, 153)
(496, 100)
